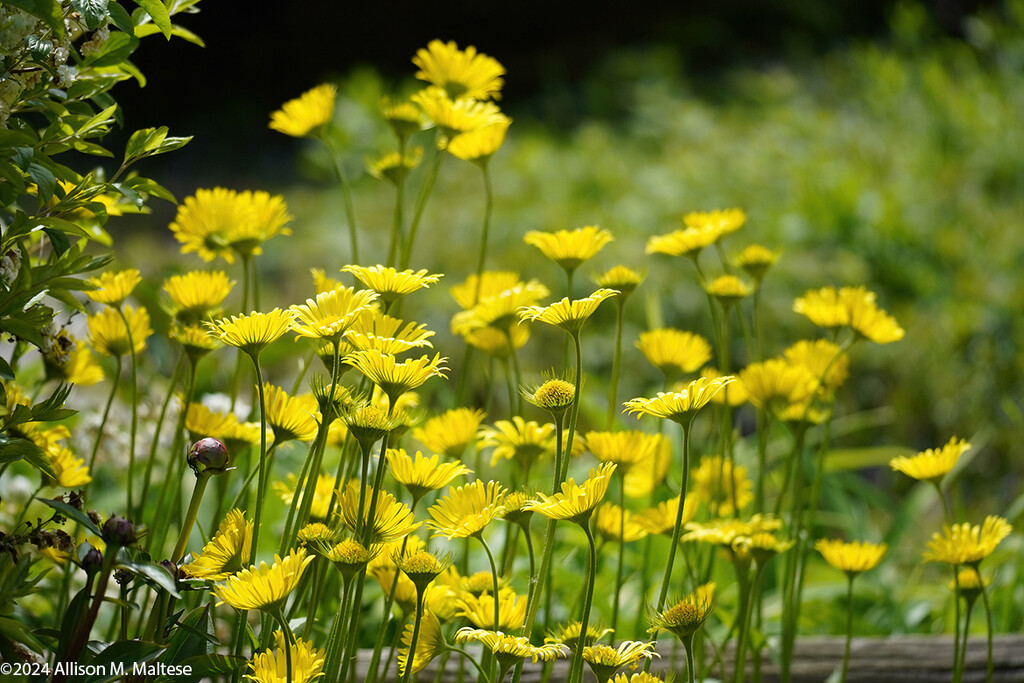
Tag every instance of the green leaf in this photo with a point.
(121, 19)
(144, 140)
(72, 513)
(19, 633)
(193, 637)
(114, 50)
(74, 612)
(158, 12)
(52, 409)
(58, 239)
(93, 11)
(43, 178)
(140, 184)
(122, 655)
(154, 572)
(13, 449)
(6, 372)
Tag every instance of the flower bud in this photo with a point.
(118, 531)
(92, 561)
(123, 576)
(208, 456)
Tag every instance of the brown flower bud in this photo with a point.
(208, 456)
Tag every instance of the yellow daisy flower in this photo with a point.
(825, 360)
(404, 592)
(350, 556)
(429, 644)
(620, 278)
(687, 242)
(671, 350)
(509, 650)
(518, 440)
(315, 534)
(222, 223)
(322, 494)
(661, 519)
(868, 320)
(108, 335)
(774, 384)
(566, 314)
(932, 464)
(392, 519)
(322, 283)
(290, 417)
(479, 144)
(264, 587)
(651, 469)
(225, 553)
(404, 117)
(492, 283)
(733, 394)
(422, 474)
(196, 295)
(720, 221)
(253, 332)
(824, 307)
(396, 378)
(450, 432)
(685, 617)
(726, 489)
(460, 73)
(624, 448)
(615, 524)
(455, 116)
(71, 471)
(967, 543)
(569, 635)
(755, 260)
(570, 248)
(723, 532)
(391, 283)
(113, 288)
(272, 666)
(196, 341)
(479, 610)
(466, 510)
(82, 368)
(331, 314)
(306, 114)
(853, 558)
(605, 660)
(576, 502)
(374, 330)
(679, 406)
(394, 167)
(728, 289)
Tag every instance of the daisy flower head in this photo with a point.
(457, 116)
(661, 518)
(723, 486)
(392, 519)
(429, 644)
(688, 242)
(720, 222)
(253, 332)
(620, 278)
(774, 384)
(450, 432)
(509, 650)
(395, 378)
(422, 566)
(420, 474)
(967, 543)
(350, 556)
(569, 635)
(479, 610)
(71, 472)
(570, 248)
(679, 406)
(225, 223)
(375, 330)
(479, 144)
(264, 587)
(271, 666)
(553, 395)
(389, 282)
(825, 360)
(733, 394)
(467, 510)
(613, 523)
(403, 116)
(196, 295)
(291, 417)
(650, 469)
(332, 312)
(113, 288)
(605, 660)
(868, 320)
(307, 114)
(931, 464)
(459, 73)
(625, 448)
(755, 260)
(491, 283)
(576, 502)
(109, 336)
(82, 369)
(394, 167)
(225, 553)
(567, 314)
(853, 558)
(518, 440)
(686, 616)
(728, 289)
(671, 350)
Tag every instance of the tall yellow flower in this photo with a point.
(826, 362)
(226, 552)
(720, 221)
(605, 660)
(71, 471)
(566, 314)
(774, 384)
(391, 283)
(374, 330)
(290, 417)
(404, 117)
(466, 510)
(570, 248)
(853, 558)
(450, 432)
(492, 283)
(967, 543)
(679, 406)
(479, 144)
(394, 167)
(322, 494)
(306, 114)
(728, 289)
(331, 314)
(721, 485)
(518, 440)
(108, 335)
(479, 610)
(253, 332)
(307, 663)
(395, 378)
(852, 307)
(618, 525)
(453, 117)
(575, 502)
(113, 288)
(734, 394)
(687, 242)
(932, 464)
(392, 519)
(620, 278)
(429, 644)
(198, 294)
(671, 350)
(82, 368)
(625, 448)
(225, 223)
(685, 617)
(755, 260)
(422, 474)
(651, 469)
(460, 73)
(661, 519)
(509, 650)
(264, 587)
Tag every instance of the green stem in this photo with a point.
(613, 387)
(620, 560)
(261, 484)
(421, 204)
(133, 428)
(688, 647)
(415, 636)
(346, 193)
(849, 629)
(574, 411)
(488, 208)
(147, 477)
(106, 414)
(289, 640)
(989, 663)
(336, 638)
(494, 577)
(396, 221)
(190, 517)
(576, 668)
(483, 674)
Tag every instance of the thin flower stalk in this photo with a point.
(346, 193)
(134, 425)
(421, 203)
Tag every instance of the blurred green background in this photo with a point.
(883, 147)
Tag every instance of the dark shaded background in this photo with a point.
(254, 61)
